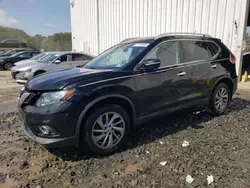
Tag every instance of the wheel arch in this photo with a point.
(37, 71)
(118, 99)
(224, 79)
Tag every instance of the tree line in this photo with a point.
(55, 42)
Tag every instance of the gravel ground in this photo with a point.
(215, 147)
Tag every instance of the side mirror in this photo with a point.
(150, 64)
(57, 62)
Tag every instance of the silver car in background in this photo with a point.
(33, 59)
(55, 61)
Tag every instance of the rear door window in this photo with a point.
(79, 57)
(196, 51)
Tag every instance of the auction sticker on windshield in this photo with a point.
(141, 45)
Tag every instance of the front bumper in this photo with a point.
(34, 117)
(20, 77)
(49, 142)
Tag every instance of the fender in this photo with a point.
(92, 103)
(217, 81)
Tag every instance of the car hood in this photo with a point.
(25, 62)
(58, 80)
(5, 58)
(4, 55)
(29, 65)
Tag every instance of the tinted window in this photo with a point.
(167, 52)
(63, 58)
(195, 51)
(78, 57)
(213, 48)
(25, 55)
(35, 53)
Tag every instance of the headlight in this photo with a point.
(29, 70)
(54, 97)
(1, 60)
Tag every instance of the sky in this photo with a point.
(43, 17)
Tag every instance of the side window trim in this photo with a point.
(179, 50)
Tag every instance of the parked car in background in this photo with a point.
(95, 107)
(9, 44)
(7, 62)
(12, 52)
(33, 59)
(246, 60)
(23, 73)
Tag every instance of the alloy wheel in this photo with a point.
(108, 130)
(221, 99)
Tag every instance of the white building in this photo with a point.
(99, 24)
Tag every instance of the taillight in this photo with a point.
(232, 58)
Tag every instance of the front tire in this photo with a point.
(7, 66)
(220, 99)
(106, 130)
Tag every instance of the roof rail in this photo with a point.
(181, 33)
(127, 39)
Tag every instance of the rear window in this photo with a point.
(192, 50)
(214, 49)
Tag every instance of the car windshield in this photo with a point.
(49, 58)
(117, 56)
(37, 57)
(10, 53)
(16, 54)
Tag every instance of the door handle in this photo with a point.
(214, 66)
(181, 74)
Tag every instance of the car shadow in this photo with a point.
(158, 128)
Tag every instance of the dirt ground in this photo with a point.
(9, 91)
(170, 151)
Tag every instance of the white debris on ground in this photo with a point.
(163, 163)
(185, 144)
(189, 178)
(147, 152)
(196, 113)
(210, 179)
(161, 142)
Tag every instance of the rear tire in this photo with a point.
(105, 131)
(220, 99)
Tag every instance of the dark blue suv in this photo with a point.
(96, 106)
